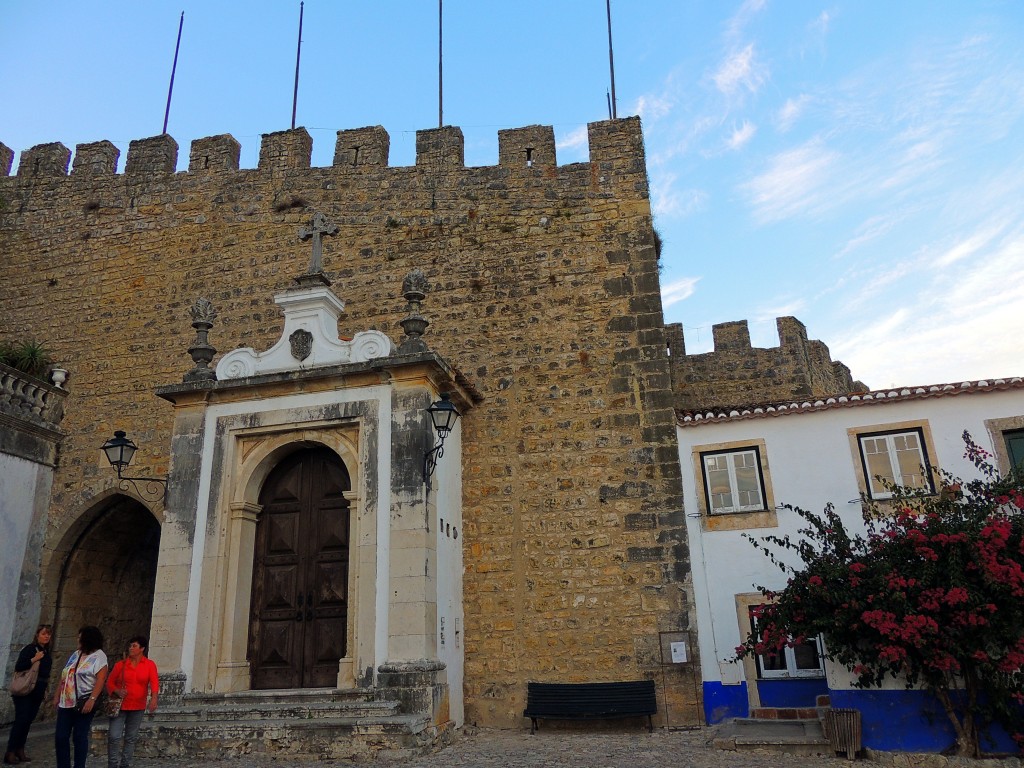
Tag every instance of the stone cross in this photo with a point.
(318, 227)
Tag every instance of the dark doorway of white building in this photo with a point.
(299, 615)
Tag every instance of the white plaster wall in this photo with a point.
(19, 480)
(811, 464)
(449, 577)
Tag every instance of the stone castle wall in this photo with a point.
(544, 291)
(736, 373)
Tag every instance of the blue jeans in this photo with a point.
(121, 738)
(72, 727)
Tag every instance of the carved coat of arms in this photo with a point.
(302, 344)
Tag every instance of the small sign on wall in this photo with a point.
(677, 648)
(678, 651)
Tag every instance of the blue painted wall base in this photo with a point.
(909, 721)
(894, 721)
(724, 702)
(791, 693)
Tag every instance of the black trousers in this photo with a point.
(25, 710)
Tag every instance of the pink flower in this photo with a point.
(956, 595)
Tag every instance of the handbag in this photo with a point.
(116, 699)
(23, 683)
(80, 700)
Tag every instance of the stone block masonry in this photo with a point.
(543, 290)
(736, 374)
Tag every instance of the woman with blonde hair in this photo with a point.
(26, 706)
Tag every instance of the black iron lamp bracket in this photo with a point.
(151, 488)
(443, 415)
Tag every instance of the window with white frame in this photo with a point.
(733, 481)
(804, 659)
(899, 458)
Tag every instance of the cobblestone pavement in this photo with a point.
(485, 748)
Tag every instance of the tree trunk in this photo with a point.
(967, 743)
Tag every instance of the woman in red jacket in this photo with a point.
(133, 680)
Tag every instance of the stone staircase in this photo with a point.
(324, 724)
(793, 730)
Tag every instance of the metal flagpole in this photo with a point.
(440, 66)
(611, 58)
(174, 67)
(298, 55)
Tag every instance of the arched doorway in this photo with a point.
(108, 577)
(299, 608)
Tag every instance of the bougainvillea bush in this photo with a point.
(932, 593)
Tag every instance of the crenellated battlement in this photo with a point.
(6, 159)
(736, 373)
(96, 159)
(614, 144)
(215, 153)
(541, 287)
(44, 160)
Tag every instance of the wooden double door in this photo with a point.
(299, 615)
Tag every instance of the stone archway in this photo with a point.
(251, 455)
(109, 575)
(298, 627)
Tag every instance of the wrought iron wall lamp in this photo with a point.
(120, 450)
(443, 415)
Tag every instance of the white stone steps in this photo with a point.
(803, 737)
(329, 737)
(249, 698)
(265, 711)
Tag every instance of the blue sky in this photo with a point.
(858, 164)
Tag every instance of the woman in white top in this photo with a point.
(81, 683)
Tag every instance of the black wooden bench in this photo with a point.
(590, 701)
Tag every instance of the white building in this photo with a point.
(739, 467)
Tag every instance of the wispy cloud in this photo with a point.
(912, 161)
(669, 200)
(791, 112)
(652, 107)
(870, 231)
(741, 135)
(969, 246)
(577, 138)
(740, 70)
(821, 23)
(793, 183)
(735, 25)
(678, 290)
(680, 140)
(887, 136)
(893, 190)
(817, 34)
(963, 316)
(907, 349)
(768, 313)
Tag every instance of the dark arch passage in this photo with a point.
(109, 577)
